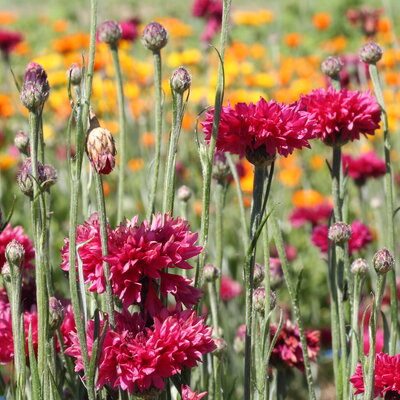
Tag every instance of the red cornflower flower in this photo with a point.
(261, 130)
(130, 30)
(17, 233)
(138, 358)
(211, 11)
(368, 165)
(387, 376)
(188, 394)
(8, 41)
(314, 214)
(288, 350)
(68, 325)
(342, 115)
(229, 288)
(361, 236)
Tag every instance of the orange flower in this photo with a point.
(72, 42)
(307, 198)
(292, 39)
(136, 164)
(6, 108)
(392, 78)
(60, 25)
(384, 25)
(321, 21)
(7, 161)
(197, 207)
(106, 188)
(317, 161)
(7, 18)
(148, 139)
(290, 176)
(336, 44)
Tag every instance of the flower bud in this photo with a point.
(15, 252)
(332, 66)
(339, 232)
(6, 272)
(359, 267)
(50, 176)
(35, 87)
(184, 193)
(371, 53)
(21, 142)
(100, 148)
(259, 275)
(154, 37)
(25, 177)
(180, 80)
(220, 169)
(239, 341)
(259, 300)
(211, 273)
(74, 73)
(109, 32)
(221, 347)
(383, 261)
(259, 156)
(56, 313)
(275, 272)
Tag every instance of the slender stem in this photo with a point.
(158, 131)
(295, 304)
(169, 181)
(336, 168)
(390, 231)
(219, 228)
(104, 246)
(122, 129)
(370, 373)
(355, 331)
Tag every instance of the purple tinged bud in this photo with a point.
(370, 53)
(221, 347)
(154, 37)
(339, 232)
(15, 253)
(332, 66)
(359, 267)
(220, 169)
(180, 80)
(6, 272)
(184, 193)
(50, 176)
(25, 179)
(259, 275)
(21, 142)
(211, 273)
(56, 313)
(109, 32)
(74, 73)
(35, 87)
(259, 300)
(383, 261)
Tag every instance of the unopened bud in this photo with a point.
(371, 53)
(100, 148)
(383, 261)
(35, 87)
(74, 73)
(184, 193)
(339, 232)
(50, 176)
(221, 347)
(275, 272)
(56, 313)
(6, 272)
(259, 275)
(15, 252)
(109, 32)
(180, 80)
(332, 66)
(220, 169)
(211, 273)
(25, 177)
(359, 267)
(259, 300)
(21, 142)
(154, 37)
(239, 341)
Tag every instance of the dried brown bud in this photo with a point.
(100, 148)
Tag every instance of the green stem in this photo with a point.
(109, 304)
(219, 229)
(295, 304)
(336, 168)
(158, 131)
(390, 231)
(122, 129)
(355, 331)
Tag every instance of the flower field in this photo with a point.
(199, 199)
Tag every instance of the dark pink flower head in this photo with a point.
(261, 130)
(353, 71)
(229, 288)
(288, 350)
(18, 234)
(368, 165)
(361, 236)
(206, 8)
(68, 325)
(188, 394)
(290, 250)
(9, 40)
(387, 376)
(89, 251)
(139, 359)
(130, 30)
(314, 214)
(342, 115)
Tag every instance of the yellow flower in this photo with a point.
(50, 61)
(48, 132)
(253, 18)
(7, 161)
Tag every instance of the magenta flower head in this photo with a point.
(109, 32)
(261, 131)
(154, 37)
(100, 148)
(332, 66)
(35, 87)
(342, 116)
(130, 29)
(180, 80)
(8, 41)
(371, 53)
